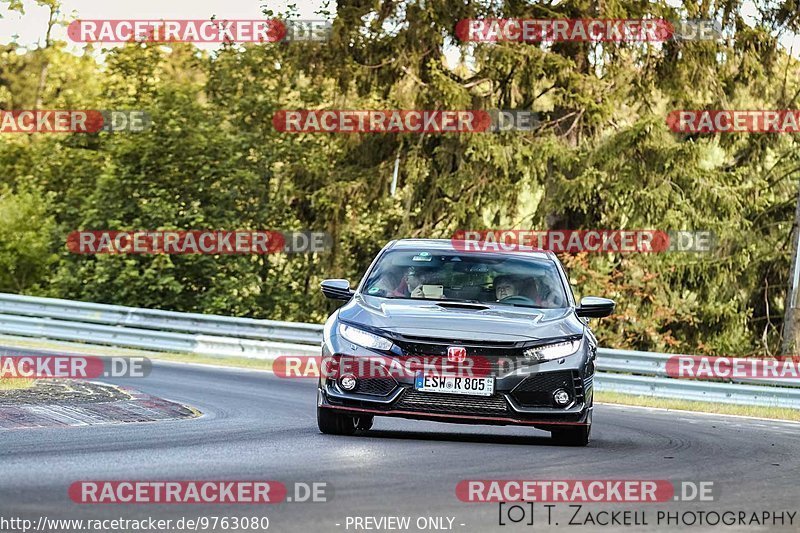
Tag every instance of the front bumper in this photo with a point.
(523, 391)
(520, 405)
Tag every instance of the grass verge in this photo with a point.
(15, 383)
(779, 413)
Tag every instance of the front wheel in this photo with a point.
(332, 423)
(578, 436)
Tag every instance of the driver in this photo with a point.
(505, 287)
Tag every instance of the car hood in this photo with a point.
(421, 318)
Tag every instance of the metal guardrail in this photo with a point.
(625, 371)
(699, 391)
(156, 319)
(126, 337)
(655, 364)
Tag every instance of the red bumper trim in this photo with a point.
(462, 417)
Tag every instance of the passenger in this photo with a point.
(391, 282)
(548, 295)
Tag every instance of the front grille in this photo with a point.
(537, 390)
(433, 402)
(418, 346)
(375, 386)
(486, 358)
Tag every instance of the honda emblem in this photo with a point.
(456, 354)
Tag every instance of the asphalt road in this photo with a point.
(256, 426)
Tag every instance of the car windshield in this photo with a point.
(474, 278)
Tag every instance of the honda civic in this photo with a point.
(435, 331)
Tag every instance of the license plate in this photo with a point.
(454, 384)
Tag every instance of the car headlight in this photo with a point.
(552, 351)
(364, 338)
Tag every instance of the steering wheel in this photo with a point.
(517, 300)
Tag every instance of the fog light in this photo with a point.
(561, 397)
(348, 382)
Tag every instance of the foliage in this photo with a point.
(602, 157)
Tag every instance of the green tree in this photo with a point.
(25, 255)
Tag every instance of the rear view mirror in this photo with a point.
(594, 307)
(337, 289)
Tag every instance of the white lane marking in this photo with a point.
(777, 422)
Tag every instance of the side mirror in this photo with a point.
(594, 307)
(337, 289)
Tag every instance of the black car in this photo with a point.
(437, 332)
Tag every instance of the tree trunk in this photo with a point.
(45, 61)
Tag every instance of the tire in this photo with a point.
(332, 423)
(578, 436)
